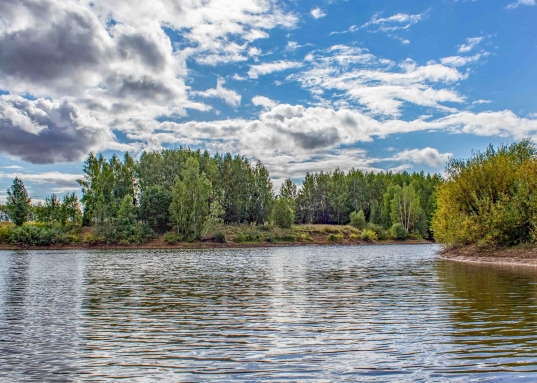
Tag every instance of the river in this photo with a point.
(338, 313)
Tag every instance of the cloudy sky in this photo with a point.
(303, 85)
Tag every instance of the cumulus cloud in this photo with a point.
(276, 66)
(293, 139)
(229, 96)
(263, 101)
(43, 131)
(520, 2)
(317, 13)
(471, 43)
(116, 64)
(428, 156)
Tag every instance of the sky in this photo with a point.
(303, 86)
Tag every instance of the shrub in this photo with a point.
(335, 238)
(369, 235)
(270, 238)
(91, 239)
(398, 231)
(379, 231)
(305, 238)
(239, 238)
(172, 238)
(219, 237)
(282, 213)
(415, 236)
(489, 199)
(354, 237)
(288, 238)
(33, 235)
(358, 219)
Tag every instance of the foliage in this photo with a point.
(155, 208)
(282, 213)
(36, 235)
(172, 238)
(220, 237)
(18, 203)
(369, 236)
(190, 207)
(405, 206)
(398, 231)
(380, 232)
(490, 198)
(335, 238)
(358, 219)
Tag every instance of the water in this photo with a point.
(375, 313)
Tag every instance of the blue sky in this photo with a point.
(301, 85)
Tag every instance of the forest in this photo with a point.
(189, 195)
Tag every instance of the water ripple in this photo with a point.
(376, 313)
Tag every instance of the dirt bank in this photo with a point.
(159, 244)
(516, 255)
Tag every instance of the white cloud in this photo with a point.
(394, 23)
(317, 13)
(56, 178)
(229, 96)
(428, 156)
(382, 87)
(457, 61)
(471, 43)
(263, 101)
(276, 66)
(520, 2)
(12, 167)
(115, 63)
(293, 139)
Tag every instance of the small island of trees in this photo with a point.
(184, 196)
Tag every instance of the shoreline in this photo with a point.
(522, 255)
(158, 245)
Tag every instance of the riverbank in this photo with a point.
(242, 236)
(525, 255)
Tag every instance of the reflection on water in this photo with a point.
(378, 313)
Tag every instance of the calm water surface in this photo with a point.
(377, 313)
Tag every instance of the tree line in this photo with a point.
(189, 192)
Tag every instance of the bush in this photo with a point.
(282, 213)
(379, 231)
(288, 238)
(305, 238)
(34, 235)
(398, 231)
(335, 238)
(369, 235)
(415, 236)
(92, 239)
(489, 199)
(219, 237)
(354, 237)
(239, 238)
(358, 219)
(172, 238)
(270, 238)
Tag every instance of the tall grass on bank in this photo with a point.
(489, 199)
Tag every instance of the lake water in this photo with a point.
(373, 313)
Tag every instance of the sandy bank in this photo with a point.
(525, 255)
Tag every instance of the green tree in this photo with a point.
(155, 208)
(282, 213)
(18, 203)
(70, 210)
(358, 219)
(190, 201)
(406, 207)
